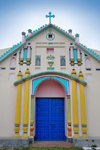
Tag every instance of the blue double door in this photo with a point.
(50, 119)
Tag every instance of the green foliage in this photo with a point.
(46, 148)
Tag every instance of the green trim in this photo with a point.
(50, 16)
(42, 29)
(51, 73)
(69, 108)
(50, 68)
(32, 108)
(48, 38)
(37, 33)
(87, 52)
(62, 81)
(12, 52)
(62, 32)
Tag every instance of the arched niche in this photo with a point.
(50, 88)
(87, 63)
(13, 62)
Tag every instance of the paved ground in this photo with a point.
(51, 144)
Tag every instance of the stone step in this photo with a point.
(51, 144)
(13, 142)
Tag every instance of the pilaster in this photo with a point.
(69, 116)
(26, 106)
(18, 107)
(32, 117)
(83, 108)
(75, 106)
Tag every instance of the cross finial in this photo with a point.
(50, 16)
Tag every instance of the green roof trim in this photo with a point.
(88, 51)
(52, 73)
(38, 31)
(11, 51)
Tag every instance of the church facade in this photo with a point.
(49, 87)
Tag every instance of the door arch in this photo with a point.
(50, 88)
(50, 111)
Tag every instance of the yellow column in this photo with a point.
(18, 107)
(75, 106)
(83, 108)
(26, 106)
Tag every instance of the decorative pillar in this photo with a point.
(79, 57)
(26, 106)
(29, 32)
(75, 55)
(28, 55)
(23, 37)
(83, 108)
(75, 106)
(69, 116)
(32, 117)
(22, 56)
(77, 38)
(18, 107)
(71, 56)
(70, 32)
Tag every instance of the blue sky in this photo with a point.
(82, 16)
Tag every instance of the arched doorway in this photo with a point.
(50, 111)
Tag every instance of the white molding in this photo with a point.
(30, 93)
(22, 104)
(79, 109)
(70, 83)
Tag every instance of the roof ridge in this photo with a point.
(10, 50)
(64, 32)
(90, 50)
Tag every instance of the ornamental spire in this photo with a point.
(50, 16)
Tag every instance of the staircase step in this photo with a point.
(51, 144)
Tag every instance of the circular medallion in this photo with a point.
(50, 36)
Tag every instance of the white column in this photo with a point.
(22, 53)
(29, 32)
(28, 55)
(78, 57)
(71, 53)
(70, 31)
(78, 54)
(29, 52)
(77, 38)
(23, 37)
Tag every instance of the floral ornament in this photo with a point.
(51, 57)
(50, 60)
(50, 63)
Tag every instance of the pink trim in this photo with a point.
(77, 39)
(50, 88)
(13, 61)
(22, 53)
(71, 52)
(28, 52)
(88, 63)
(56, 76)
(78, 53)
(50, 50)
(23, 38)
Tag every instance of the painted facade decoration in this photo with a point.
(46, 87)
(50, 59)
